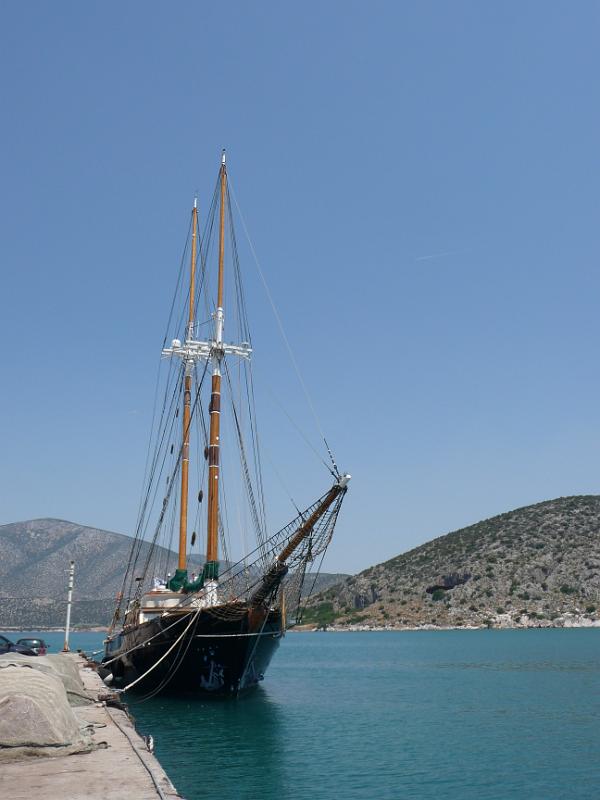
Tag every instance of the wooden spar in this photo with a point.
(222, 236)
(212, 548)
(187, 401)
(278, 569)
(310, 523)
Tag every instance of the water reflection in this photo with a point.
(235, 745)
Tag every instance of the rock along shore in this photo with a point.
(500, 622)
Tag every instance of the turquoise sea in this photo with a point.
(475, 715)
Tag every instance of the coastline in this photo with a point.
(54, 629)
(568, 621)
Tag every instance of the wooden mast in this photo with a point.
(187, 400)
(212, 549)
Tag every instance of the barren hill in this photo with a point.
(538, 565)
(34, 558)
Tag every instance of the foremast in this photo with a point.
(191, 352)
(187, 403)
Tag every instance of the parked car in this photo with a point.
(39, 646)
(6, 646)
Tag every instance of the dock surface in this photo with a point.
(119, 768)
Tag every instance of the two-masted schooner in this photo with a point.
(215, 631)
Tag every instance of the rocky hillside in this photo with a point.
(34, 559)
(538, 565)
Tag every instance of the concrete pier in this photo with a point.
(119, 768)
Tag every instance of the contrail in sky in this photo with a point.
(442, 254)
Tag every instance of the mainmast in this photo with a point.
(190, 352)
(187, 402)
(211, 569)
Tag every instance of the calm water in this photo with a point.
(463, 714)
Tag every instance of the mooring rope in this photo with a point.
(162, 658)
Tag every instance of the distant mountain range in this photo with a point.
(535, 566)
(34, 561)
(538, 565)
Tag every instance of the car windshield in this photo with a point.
(30, 642)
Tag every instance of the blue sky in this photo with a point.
(420, 181)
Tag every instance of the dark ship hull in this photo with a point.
(217, 654)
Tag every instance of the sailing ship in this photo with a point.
(215, 631)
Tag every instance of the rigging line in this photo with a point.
(143, 502)
(260, 530)
(166, 499)
(223, 507)
(256, 641)
(154, 405)
(200, 284)
(312, 588)
(173, 301)
(336, 471)
(137, 646)
(162, 658)
(181, 327)
(256, 454)
(203, 248)
(281, 481)
(178, 284)
(243, 458)
(202, 419)
(140, 539)
(200, 473)
(167, 547)
(248, 377)
(247, 371)
(277, 316)
(172, 671)
(241, 299)
(222, 521)
(302, 434)
(242, 509)
(169, 675)
(281, 535)
(150, 467)
(324, 529)
(149, 476)
(140, 527)
(209, 246)
(201, 257)
(165, 431)
(286, 533)
(295, 584)
(171, 485)
(242, 526)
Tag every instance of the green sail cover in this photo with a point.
(179, 582)
(211, 571)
